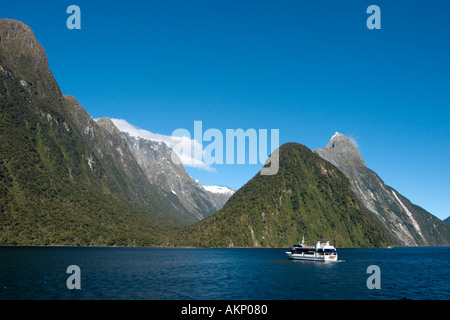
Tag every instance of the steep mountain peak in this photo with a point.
(407, 223)
(340, 141)
(18, 38)
(23, 59)
(336, 135)
(341, 148)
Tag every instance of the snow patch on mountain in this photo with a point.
(219, 190)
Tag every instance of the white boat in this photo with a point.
(319, 252)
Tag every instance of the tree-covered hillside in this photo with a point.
(307, 197)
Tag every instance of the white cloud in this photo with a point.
(189, 151)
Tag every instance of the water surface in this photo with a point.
(221, 274)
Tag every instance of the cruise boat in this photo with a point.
(319, 252)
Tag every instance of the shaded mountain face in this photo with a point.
(408, 224)
(54, 186)
(307, 197)
(65, 179)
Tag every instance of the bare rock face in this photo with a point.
(345, 153)
(407, 223)
(155, 159)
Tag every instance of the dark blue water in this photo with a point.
(225, 274)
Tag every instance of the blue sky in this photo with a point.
(307, 68)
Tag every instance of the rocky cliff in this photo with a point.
(408, 224)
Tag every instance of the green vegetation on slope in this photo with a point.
(49, 195)
(308, 196)
(54, 188)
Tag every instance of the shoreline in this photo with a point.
(172, 247)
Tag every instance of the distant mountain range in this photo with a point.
(66, 179)
(155, 159)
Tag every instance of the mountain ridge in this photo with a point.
(64, 179)
(407, 223)
(156, 160)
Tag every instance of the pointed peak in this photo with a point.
(336, 135)
(342, 147)
(339, 140)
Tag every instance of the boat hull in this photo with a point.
(311, 257)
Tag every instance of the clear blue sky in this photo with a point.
(307, 68)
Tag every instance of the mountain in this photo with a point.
(406, 223)
(307, 197)
(155, 159)
(162, 167)
(55, 188)
(112, 149)
(217, 195)
(66, 179)
(447, 220)
(219, 190)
